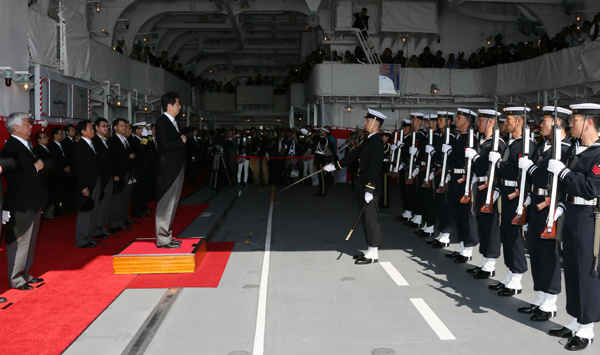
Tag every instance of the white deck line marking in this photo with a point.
(394, 274)
(259, 335)
(434, 322)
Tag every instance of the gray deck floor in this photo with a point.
(317, 300)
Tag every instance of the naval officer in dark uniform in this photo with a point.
(370, 160)
(321, 144)
(580, 179)
(543, 256)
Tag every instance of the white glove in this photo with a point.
(400, 144)
(446, 148)
(412, 150)
(5, 216)
(494, 157)
(526, 227)
(329, 168)
(524, 163)
(448, 178)
(470, 153)
(415, 172)
(496, 195)
(401, 166)
(429, 149)
(555, 166)
(528, 201)
(267, 156)
(130, 182)
(394, 147)
(368, 197)
(431, 176)
(559, 212)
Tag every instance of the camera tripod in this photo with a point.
(217, 160)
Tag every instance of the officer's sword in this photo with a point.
(357, 219)
(304, 178)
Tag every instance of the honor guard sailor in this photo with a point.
(370, 158)
(426, 177)
(543, 256)
(442, 202)
(486, 193)
(460, 186)
(580, 182)
(322, 143)
(513, 244)
(403, 146)
(417, 141)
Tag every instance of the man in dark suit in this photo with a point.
(26, 194)
(67, 144)
(121, 156)
(106, 179)
(152, 158)
(86, 164)
(170, 169)
(140, 163)
(58, 182)
(42, 152)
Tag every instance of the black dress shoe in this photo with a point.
(563, 332)
(484, 274)
(176, 241)
(413, 225)
(461, 259)
(96, 242)
(454, 254)
(431, 241)
(2, 300)
(115, 230)
(497, 286)
(364, 261)
(35, 281)
(125, 228)
(439, 245)
(170, 245)
(148, 210)
(541, 316)
(25, 287)
(131, 221)
(577, 343)
(473, 270)
(425, 235)
(88, 245)
(110, 233)
(528, 309)
(509, 291)
(141, 215)
(358, 256)
(100, 236)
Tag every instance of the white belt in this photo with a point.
(423, 163)
(481, 178)
(386, 160)
(538, 191)
(510, 183)
(320, 153)
(458, 171)
(576, 200)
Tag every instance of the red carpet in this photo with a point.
(208, 274)
(79, 285)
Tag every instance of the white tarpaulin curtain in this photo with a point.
(255, 95)
(42, 39)
(343, 15)
(409, 17)
(298, 94)
(327, 119)
(76, 56)
(567, 67)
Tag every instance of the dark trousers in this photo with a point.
(443, 204)
(582, 283)
(464, 215)
(192, 167)
(139, 195)
(487, 226)
(370, 215)
(513, 244)
(385, 193)
(543, 253)
(428, 203)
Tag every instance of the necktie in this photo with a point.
(176, 126)
(92, 146)
(61, 149)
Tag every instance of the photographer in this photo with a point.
(243, 162)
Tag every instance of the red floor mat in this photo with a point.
(209, 272)
(79, 285)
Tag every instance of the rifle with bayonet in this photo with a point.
(427, 182)
(551, 200)
(520, 217)
(442, 188)
(490, 184)
(467, 178)
(410, 179)
(392, 158)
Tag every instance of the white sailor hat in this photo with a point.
(446, 114)
(585, 109)
(418, 115)
(324, 129)
(387, 133)
(502, 119)
(489, 113)
(375, 115)
(139, 124)
(560, 112)
(466, 112)
(304, 131)
(516, 110)
(406, 122)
